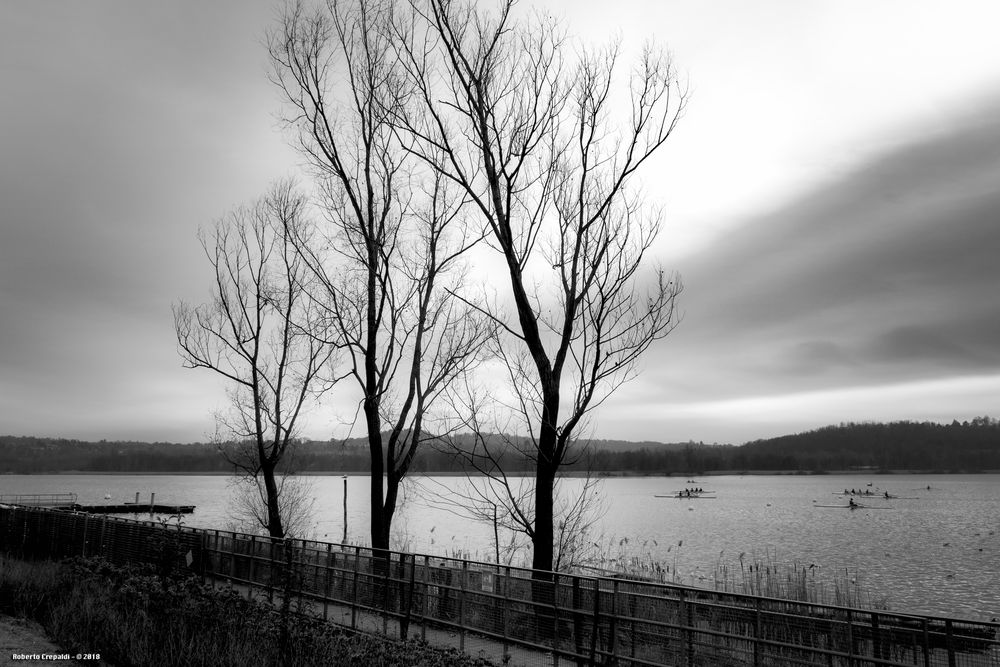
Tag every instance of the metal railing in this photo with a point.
(39, 499)
(513, 615)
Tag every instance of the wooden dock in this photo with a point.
(67, 502)
(129, 508)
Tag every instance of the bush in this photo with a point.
(136, 616)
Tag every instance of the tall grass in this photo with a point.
(134, 616)
(794, 581)
(765, 576)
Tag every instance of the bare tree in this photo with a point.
(254, 332)
(530, 137)
(499, 493)
(296, 504)
(501, 498)
(392, 257)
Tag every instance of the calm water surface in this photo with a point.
(937, 553)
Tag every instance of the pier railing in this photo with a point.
(509, 614)
(38, 499)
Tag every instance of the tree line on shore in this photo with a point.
(960, 446)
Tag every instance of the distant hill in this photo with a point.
(631, 446)
(962, 447)
(959, 446)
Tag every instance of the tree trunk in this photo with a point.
(544, 535)
(546, 467)
(389, 508)
(542, 582)
(274, 527)
(379, 532)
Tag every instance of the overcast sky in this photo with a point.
(832, 198)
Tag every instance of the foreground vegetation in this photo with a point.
(134, 616)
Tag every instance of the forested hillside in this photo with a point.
(966, 447)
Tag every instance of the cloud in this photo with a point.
(903, 243)
(125, 128)
(884, 276)
(910, 344)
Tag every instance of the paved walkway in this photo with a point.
(23, 637)
(20, 637)
(374, 623)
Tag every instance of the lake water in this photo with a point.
(938, 553)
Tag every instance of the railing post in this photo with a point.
(326, 582)
(556, 644)
(270, 570)
(211, 565)
(613, 623)
(850, 639)
(251, 579)
(876, 640)
(595, 627)
(289, 574)
(83, 547)
(217, 547)
(423, 612)
(354, 595)
(687, 625)
(24, 531)
(232, 555)
(948, 631)
(577, 616)
(104, 526)
(505, 611)
(756, 632)
(927, 644)
(385, 591)
(52, 537)
(633, 635)
(404, 624)
(461, 607)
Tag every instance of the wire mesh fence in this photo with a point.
(508, 614)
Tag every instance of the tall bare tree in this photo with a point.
(496, 492)
(529, 133)
(396, 232)
(254, 332)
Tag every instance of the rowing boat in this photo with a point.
(854, 507)
(874, 495)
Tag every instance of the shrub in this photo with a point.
(138, 616)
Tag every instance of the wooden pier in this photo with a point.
(129, 508)
(67, 502)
